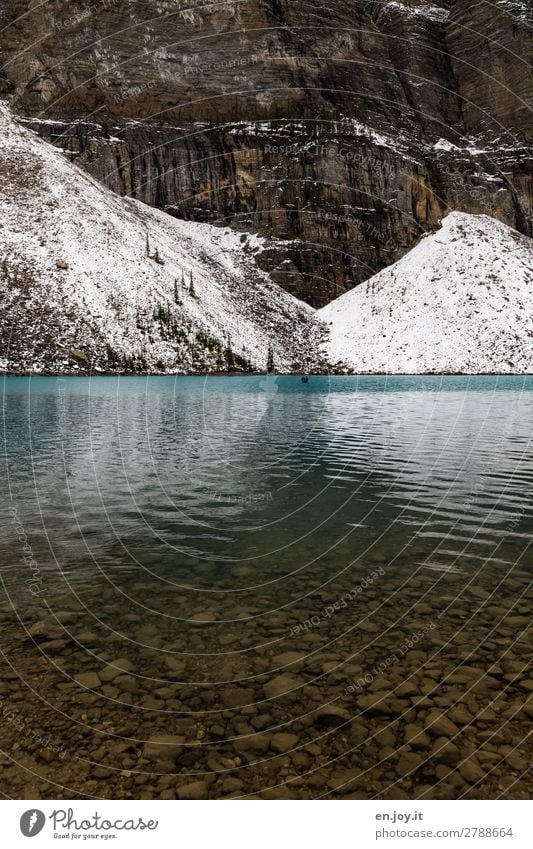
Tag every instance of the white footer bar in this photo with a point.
(257, 824)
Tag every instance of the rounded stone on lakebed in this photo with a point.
(342, 781)
(53, 646)
(444, 751)
(87, 638)
(203, 618)
(253, 743)
(163, 746)
(376, 703)
(284, 742)
(438, 725)
(408, 763)
(288, 658)
(232, 785)
(416, 736)
(66, 617)
(331, 716)
(46, 631)
(194, 790)
(127, 683)
(89, 680)
(471, 771)
(460, 715)
(115, 668)
(236, 697)
(282, 685)
(174, 664)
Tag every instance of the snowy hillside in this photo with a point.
(89, 280)
(460, 301)
(92, 281)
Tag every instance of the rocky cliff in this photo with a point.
(340, 131)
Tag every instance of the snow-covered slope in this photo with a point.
(460, 301)
(91, 280)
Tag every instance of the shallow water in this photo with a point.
(367, 538)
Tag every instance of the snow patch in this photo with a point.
(458, 302)
(92, 280)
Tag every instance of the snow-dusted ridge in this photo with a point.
(459, 302)
(89, 280)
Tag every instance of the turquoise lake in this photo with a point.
(295, 577)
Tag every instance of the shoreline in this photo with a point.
(266, 374)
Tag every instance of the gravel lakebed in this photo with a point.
(390, 683)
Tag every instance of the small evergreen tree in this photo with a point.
(191, 287)
(147, 245)
(270, 360)
(176, 295)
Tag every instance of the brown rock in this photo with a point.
(115, 668)
(252, 743)
(416, 737)
(438, 725)
(238, 697)
(331, 716)
(282, 685)
(163, 747)
(194, 790)
(89, 680)
(376, 704)
(284, 742)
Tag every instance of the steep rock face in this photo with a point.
(341, 132)
(491, 50)
(178, 61)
